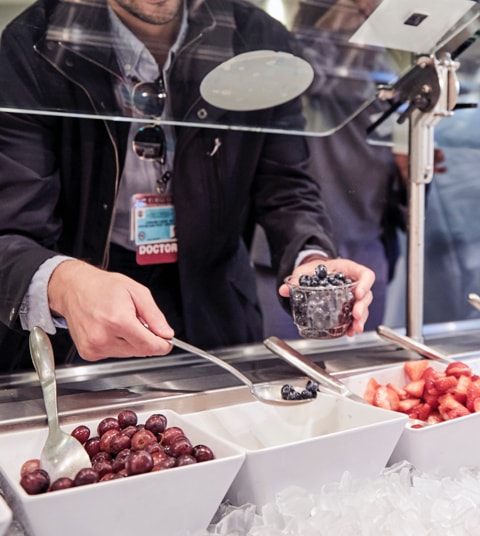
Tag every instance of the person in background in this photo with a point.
(361, 183)
(75, 182)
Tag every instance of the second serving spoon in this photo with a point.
(329, 383)
(268, 393)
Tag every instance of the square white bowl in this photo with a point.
(306, 445)
(6, 516)
(176, 501)
(439, 449)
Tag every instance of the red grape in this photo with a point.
(126, 418)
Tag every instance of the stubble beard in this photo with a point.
(156, 14)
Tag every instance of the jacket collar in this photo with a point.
(78, 43)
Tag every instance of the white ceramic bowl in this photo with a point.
(306, 445)
(175, 501)
(439, 449)
(6, 516)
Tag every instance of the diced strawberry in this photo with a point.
(415, 388)
(445, 384)
(473, 392)
(429, 372)
(406, 405)
(461, 390)
(402, 394)
(369, 394)
(462, 384)
(447, 401)
(415, 369)
(434, 418)
(458, 369)
(380, 398)
(393, 398)
(386, 398)
(430, 388)
(460, 397)
(420, 411)
(476, 405)
(449, 408)
(454, 413)
(431, 400)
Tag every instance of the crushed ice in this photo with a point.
(399, 502)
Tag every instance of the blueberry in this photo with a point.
(321, 271)
(286, 390)
(304, 280)
(312, 386)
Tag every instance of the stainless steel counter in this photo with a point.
(188, 383)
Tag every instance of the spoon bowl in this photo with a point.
(62, 455)
(268, 393)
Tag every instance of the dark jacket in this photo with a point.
(60, 168)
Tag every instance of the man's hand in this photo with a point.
(361, 274)
(106, 313)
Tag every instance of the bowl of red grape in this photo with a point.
(146, 469)
(321, 303)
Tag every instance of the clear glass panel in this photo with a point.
(351, 45)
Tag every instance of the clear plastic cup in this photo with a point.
(321, 312)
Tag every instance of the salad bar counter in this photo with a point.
(257, 452)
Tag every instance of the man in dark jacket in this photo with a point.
(67, 169)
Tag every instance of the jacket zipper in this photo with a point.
(106, 250)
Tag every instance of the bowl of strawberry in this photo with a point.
(443, 403)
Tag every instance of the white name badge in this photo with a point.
(153, 228)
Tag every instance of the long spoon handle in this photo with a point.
(42, 356)
(306, 365)
(206, 355)
(411, 344)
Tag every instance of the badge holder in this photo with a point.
(153, 229)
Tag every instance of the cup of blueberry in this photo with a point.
(321, 303)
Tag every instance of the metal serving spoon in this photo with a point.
(411, 344)
(310, 368)
(269, 393)
(62, 455)
(329, 383)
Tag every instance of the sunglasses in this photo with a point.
(149, 98)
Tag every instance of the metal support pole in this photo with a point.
(421, 152)
(421, 168)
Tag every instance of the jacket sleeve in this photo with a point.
(29, 182)
(288, 203)
(287, 199)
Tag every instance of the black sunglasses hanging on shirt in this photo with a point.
(149, 98)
